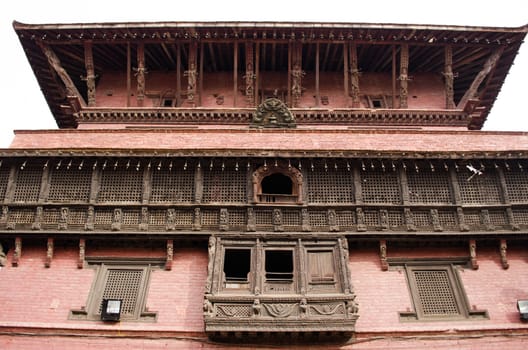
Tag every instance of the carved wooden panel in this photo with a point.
(318, 219)
(330, 186)
(210, 219)
(448, 220)
(380, 187)
(517, 185)
(50, 218)
(121, 185)
(426, 186)
(223, 184)
(172, 186)
(71, 185)
(21, 216)
(237, 219)
(479, 189)
(76, 219)
(28, 182)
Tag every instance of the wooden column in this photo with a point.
(404, 75)
(296, 73)
(354, 76)
(345, 71)
(257, 69)
(393, 76)
(129, 73)
(449, 77)
(191, 73)
(178, 75)
(235, 73)
(140, 94)
(250, 76)
(317, 92)
(90, 73)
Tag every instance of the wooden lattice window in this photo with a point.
(121, 185)
(437, 293)
(517, 185)
(70, 185)
(172, 186)
(520, 216)
(128, 283)
(4, 178)
(429, 187)
(330, 187)
(28, 182)
(479, 189)
(227, 186)
(380, 187)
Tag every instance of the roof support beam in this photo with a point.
(140, 74)
(404, 74)
(354, 75)
(55, 63)
(490, 64)
(90, 73)
(448, 77)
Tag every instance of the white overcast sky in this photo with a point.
(24, 107)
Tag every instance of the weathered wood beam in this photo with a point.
(235, 73)
(55, 63)
(128, 75)
(90, 73)
(472, 92)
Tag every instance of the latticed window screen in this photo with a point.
(237, 218)
(121, 185)
(28, 181)
(422, 218)
(125, 283)
(70, 185)
(517, 185)
(520, 216)
(434, 292)
(479, 189)
(176, 186)
(330, 187)
(4, 178)
(447, 219)
(318, 218)
(224, 186)
(346, 219)
(429, 187)
(380, 187)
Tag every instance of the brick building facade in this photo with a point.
(264, 183)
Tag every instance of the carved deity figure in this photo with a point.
(211, 255)
(251, 220)
(257, 308)
(303, 308)
(90, 219)
(171, 220)
(197, 222)
(360, 216)
(332, 221)
(297, 74)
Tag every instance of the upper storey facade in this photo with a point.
(332, 74)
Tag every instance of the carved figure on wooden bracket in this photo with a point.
(473, 254)
(251, 220)
(208, 308)
(197, 221)
(211, 248)
(171, 220)
(305, 220)
(82, 253)
(383, 255)
(409, 220)
(435, 218)
(462, 220)
(511, 220)
(143, 225)
(90, 219)
(117, 219)
(332, 221)
(303, 308)
(503, 252)
(63, 221)
(18, 251)
(5, 215)
(384, 219)
(170, 255)
(486, 220)
(224, 219)
(360, 216)
(352, 306)
(49, 253)
(277, 220)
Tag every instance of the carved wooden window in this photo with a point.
(429, 187)
(437, 293)
(4, 178)
(226, 186)
(176, 186)
(380, 187)
(479, 189)
(126, 282)
(28, 182)
(121, 185)
(330, 187)
(517, 185)
(237, 266)
(70, 185)
(321, 270)
(279, 271)
(278, 183)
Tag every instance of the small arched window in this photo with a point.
(277, 184)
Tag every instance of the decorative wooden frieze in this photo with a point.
(383, 255)
(333, 225)
(224, 220)
(435, 219)
(37, 223)
(82, 253)
(277, 220)
(473, 254)
(511, 220)
(197, 220)
(49, 252)
(360, 217)
(486, 220)
(384, 219)
(409, 220)
(170, 224)
(305, 220)
(17, 254)
(63, 220)
(503, 247)
(144, 220)
(251, 220)
(272, 113)
(170, 255)
(117, 219)
(90, 219)
(462, 220)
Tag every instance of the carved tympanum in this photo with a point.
(273, 113)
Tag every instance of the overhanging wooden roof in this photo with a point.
(472, 48)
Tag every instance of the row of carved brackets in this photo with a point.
(17, 253)
(472, 249)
